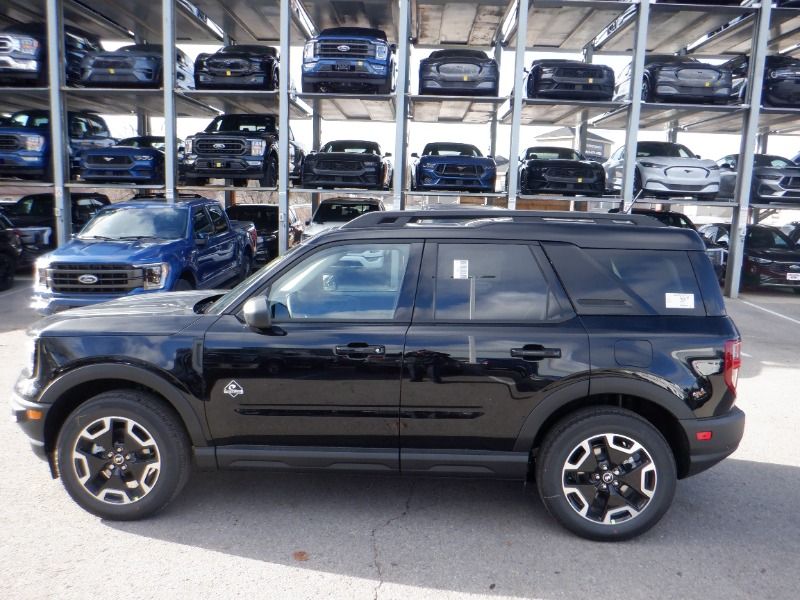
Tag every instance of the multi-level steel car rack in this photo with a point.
(590, 27)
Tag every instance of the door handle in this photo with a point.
(535, 352)
(359, 350)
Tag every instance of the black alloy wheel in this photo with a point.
(7, 267)
(270, 178)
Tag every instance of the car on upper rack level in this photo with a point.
(332, 213)
(132, 160)
(781, 87)
(673, 78)
(448, 166)
(349, 59)
(554, 170)
(242, 66)
(570, 79)
(459, 72)
(348, 163)
(664, 169)
(135, 65)
(774, 179)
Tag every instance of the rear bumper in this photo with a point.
(726, 433)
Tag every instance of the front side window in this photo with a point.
(491, 282)
(352, 282)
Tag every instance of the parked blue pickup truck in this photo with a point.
(139, 247)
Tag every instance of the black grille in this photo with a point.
(108, 161)
(355, 49)
(567, 172)
(224, 146)
(459, 170)
(791, 183)
(685, 188)
(237, 65)
(5, 45)
(9, 142)
(339, 165)
(579, 72)
(111, 278)
(110, 63)
(785, 267)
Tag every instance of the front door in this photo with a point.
(327, 374)
(492, 334)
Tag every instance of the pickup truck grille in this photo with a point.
(111, 278)
(9, 142)
(5, 44)
(108, 161)
(220, 146)
(355, 49)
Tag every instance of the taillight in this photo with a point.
(733, 360)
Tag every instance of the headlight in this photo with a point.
(308, 51)
(760, 261)
(381, 51)
(155, 276)
(548, 70)
(27, 45)
(188, 145)
(34, 142)
(257, 147)
(651, 165)
(42, 264)
(771, 177)
(143, 157)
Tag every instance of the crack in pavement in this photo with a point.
(373, 537)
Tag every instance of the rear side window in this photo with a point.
(641, 282)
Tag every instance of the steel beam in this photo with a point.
(635, 109)
(755, 78)
(498, 56)
(316, 142)
(170, 124)
(672, 132)
(516, 105)
(283, 129)
(58, 128)
(401, 104)
(762, 141)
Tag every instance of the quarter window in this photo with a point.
(217, 219)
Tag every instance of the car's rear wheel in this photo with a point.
(606, 474)
(274, 80)
(7, 267)
(123, 455)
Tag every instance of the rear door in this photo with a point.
(221, 246)
(492, 335)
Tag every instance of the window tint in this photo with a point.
(217, 219)
(491, 282)
(201, 223)
(766, 237)
(353, 282)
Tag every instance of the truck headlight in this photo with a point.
(155, 276)
(27, 45)
(308, 51)
(257, 147)
(34, 142)
(42, 264)
(188, 145)
(548, 70)
(381, 51)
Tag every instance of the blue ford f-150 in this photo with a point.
(141, 247)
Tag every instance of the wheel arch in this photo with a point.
(76, 387)
(657, 406)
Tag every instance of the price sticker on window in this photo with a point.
(685, 301)
(460, 269)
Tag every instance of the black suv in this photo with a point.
(591, 354)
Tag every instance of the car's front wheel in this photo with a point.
(606, 474)
(123, 455)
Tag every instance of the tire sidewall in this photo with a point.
(554, 456)
(121, 405)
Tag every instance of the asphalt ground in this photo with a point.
(733, 532)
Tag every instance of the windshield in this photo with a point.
(255, 123)
(552, 154)
(129, 222)
(765, 237)
(645, 149)
(141, 48)
(766, 160)
(342, 212)
(31, 119)
(143, 142)
(451, 150)
(253, 49)
(264, 217)
(352, 147)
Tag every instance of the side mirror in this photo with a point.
(697, 156)
(256, 313)
(201, 239)
(414, 155)
(308, 223)
(388, 155)
(723, 241)
(726, 167)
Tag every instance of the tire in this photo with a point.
(182, 285)
(647, 96)
(126, 429)
(637, 183)
(239, 182)
(274, 80)
(8, 265)
(384, 88)
(196, 180)
(796, 290)
(246, 266)
(617, 435)
(270, 178)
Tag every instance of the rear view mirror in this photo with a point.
(414, 155)
(256, 313)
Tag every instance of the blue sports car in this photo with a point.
(132, 160)
(453, 167)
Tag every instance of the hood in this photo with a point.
(343, 156)
(114, 251)
(562, 162)
(778, 254)
(155, 53)
(163, 313)
(457, 160)
(236, 132)
(673, 161)
(16, 129)
(122, 151)
(317, 228)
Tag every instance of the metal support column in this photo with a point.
(635, 109)
(58, 129)
(516, 106)
(170, 125)
(581, 126)
(762, 140)
(316, 142)
(401, 105)
(672, 132)
(498, 56)
(755, 78)
(283, 130)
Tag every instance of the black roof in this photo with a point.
(359, 31)
(251, 48)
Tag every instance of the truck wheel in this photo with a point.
(606, 474)
(196, 180)
(385, 88)
(239, 182)
(270, 178)
(7, 267)
(246, 268)
(123, 455)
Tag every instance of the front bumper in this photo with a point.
(357, 73)
(23, 412)
(23, 162)
(781, 93)
(143, 74)
(22, 68)
(673, 183)
(438, 85)
(692, 91)
(578, 88)
(48, 303)
(135, 174)
(364, 177)
(224, 167)
(252, 80)
(773, 191)
(726, 433)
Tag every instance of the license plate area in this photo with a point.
(793, 277)
(342, 66)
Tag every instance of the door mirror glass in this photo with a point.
(256, 313)
(201, 239)
(726, 167)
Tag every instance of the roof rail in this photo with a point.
(469, 217)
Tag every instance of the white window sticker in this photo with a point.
(679, 300)
(460, 269)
